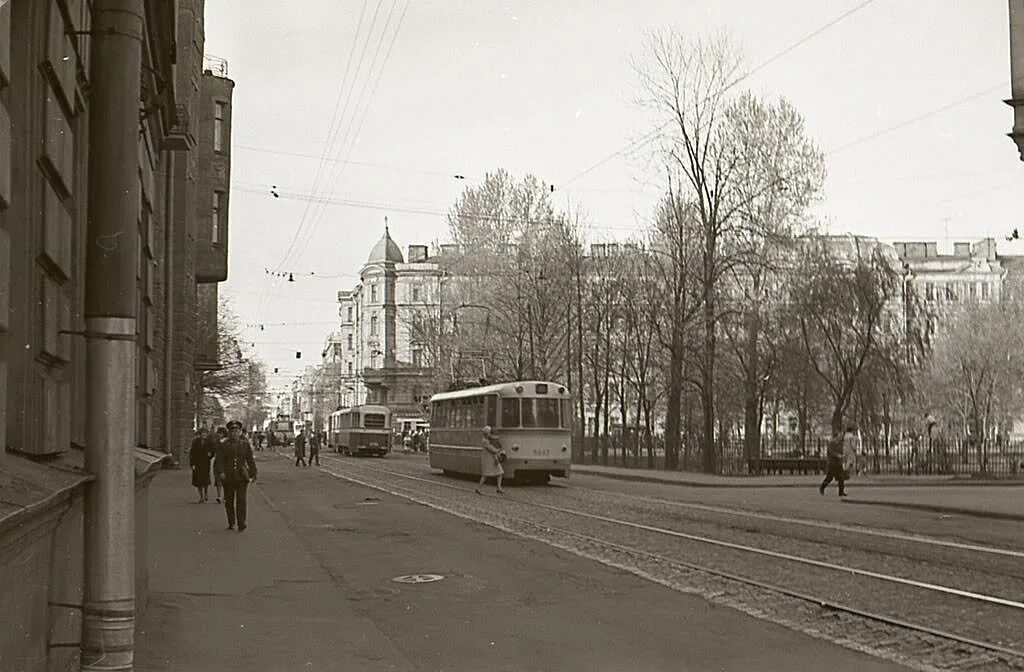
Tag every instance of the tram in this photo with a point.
(360, 430)
(532, 419)
(280, 431)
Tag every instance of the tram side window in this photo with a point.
(492, 410)
(509, 412)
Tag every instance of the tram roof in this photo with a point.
(506, 389)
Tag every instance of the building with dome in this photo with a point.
(376, 352)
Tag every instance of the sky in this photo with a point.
(374, 106)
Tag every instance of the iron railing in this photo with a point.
(919, 456)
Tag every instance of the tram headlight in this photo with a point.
(565, 448)
(515, 447)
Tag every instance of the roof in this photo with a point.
(507, 389)
(386, 251)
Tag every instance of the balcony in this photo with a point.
(179, 136)
(215, 65)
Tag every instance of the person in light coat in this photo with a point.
(490, 464)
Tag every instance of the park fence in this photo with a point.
(876, 456)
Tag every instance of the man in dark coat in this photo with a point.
(314, 449)
(834, 467)
(237, 468)
(300, 449)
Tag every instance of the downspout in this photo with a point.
(108, 621)
(169, 303)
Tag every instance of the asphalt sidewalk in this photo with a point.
(309, 586)
(996, 499)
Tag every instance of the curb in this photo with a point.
(975, 513)
(646, 478)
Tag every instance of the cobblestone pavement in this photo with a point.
(932, 582)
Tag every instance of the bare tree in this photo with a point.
(975, 370)
(744, 169)
(847, 301)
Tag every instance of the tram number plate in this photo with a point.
(543, 451)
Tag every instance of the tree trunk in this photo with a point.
(672, 411)
(710, 455)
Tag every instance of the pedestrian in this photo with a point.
(215, 441)
(836, 458)
(237, 468)
(406, 442)
(314, 449)
(199, 461)
(300, 448)
(491, 458)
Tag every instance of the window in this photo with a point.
(373, 420)
(492, 410)
(417, 357)
(350, 368)
(219, 115)
(567, 413)
(218, 206)
(509, 412)
(986, 290)
(350, 318)
(373, 325)
(373, 293)
(415, 294)
(350, 341)
(540, 413)
(929, 291)
(973, 289)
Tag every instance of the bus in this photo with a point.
(280, 431)
(360, 430)
(532, 420)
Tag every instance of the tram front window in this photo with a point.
(540, 412)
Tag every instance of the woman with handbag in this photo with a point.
(491, 458)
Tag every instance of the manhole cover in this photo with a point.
(418, 578)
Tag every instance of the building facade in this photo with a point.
(100, 255)
(382, 349)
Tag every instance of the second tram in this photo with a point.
(532, 420)
(360, 430)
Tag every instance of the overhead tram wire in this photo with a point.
(332, 129)
(367, 164)
(647, 137)
(914, 120)
(311, 208)
(366, 111)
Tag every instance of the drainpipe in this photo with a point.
(108, 626)
(169, 432)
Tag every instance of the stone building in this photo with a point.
(382, 358)
(100, 254)
(973, 272)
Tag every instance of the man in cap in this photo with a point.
(236, 467)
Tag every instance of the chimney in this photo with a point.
(962, 250)
(417, 253)
(931, 249)
(449, 250)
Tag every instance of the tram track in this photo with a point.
(1008, 656)
(816, 524)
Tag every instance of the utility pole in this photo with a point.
(108, 609)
